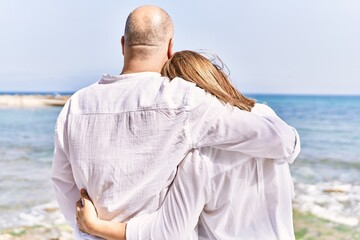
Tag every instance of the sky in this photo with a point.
(269, 46)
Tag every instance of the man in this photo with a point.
(123, 137)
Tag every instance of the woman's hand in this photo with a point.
(88, 221)
(86, 215)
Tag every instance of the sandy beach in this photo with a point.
(25, 101)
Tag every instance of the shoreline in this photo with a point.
(324, 211)
(306, 226)
(32, 101)
(333, 201)
(39, 232)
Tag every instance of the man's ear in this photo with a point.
(170, 48)
(122, 44)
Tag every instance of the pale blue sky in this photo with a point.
(277, 46)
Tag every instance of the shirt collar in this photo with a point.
(106, 78)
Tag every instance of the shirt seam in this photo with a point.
(187, 120)
(129, 111)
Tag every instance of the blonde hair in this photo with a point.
(209, 76)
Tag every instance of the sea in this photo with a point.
(326, 174)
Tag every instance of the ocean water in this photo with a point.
(26, 148)
(326, 173)
(329, 128)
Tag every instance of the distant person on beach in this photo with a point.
(123, 137)
(223, 194)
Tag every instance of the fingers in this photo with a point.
(79, 217)
(78, 209)
(84, 202)
(79, 204)
(84, 194)
(85, 198)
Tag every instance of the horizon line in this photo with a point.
(246, 93)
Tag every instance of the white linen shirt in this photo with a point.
(123, 137)
(223, 195)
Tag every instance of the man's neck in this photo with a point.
(130, 71)
(142, 66)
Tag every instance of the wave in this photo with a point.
(42, 215)
(334, 201)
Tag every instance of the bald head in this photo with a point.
(148, 26)
(148, 40)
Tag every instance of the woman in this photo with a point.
(202, 192)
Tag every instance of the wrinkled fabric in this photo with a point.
(122, 138)
(220, 194)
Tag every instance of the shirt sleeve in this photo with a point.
(179, 214)
(213, 123)
(66, 191)
(265, 110)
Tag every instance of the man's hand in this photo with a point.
(86, 215)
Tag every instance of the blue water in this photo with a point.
(26, 148)
(329, 127)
